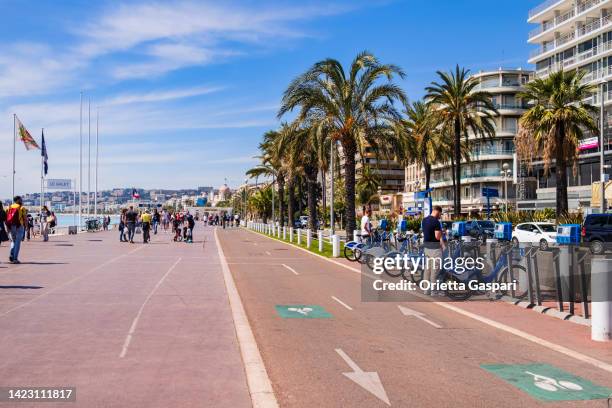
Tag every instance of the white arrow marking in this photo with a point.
(409, 312)
(300, 310)
(268, 252)
(368, 380)
(291, 269)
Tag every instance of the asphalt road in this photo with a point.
(429, 361)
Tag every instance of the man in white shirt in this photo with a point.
(366, 226)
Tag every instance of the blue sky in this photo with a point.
(184, 90)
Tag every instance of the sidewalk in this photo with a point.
(127, 325)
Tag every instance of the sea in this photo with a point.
(65, 220)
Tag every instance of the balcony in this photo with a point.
(573, 35)
(577, 59)
(491, 152)
(544, 27)
(540, 8)
(467, 175)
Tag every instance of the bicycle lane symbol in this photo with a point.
(302, 312)
(548, 383)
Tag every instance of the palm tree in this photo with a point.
(260, 203)
(462, 108)
(271, 166)
(301, 147)
(553, 126)
(421, 138)
(367, 186)
(355, 105)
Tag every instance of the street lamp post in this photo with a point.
(506, 172)
(331, 201)
(244, 213)
(273, 216)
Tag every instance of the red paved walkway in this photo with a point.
(65, 314)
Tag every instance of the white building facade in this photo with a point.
(572, 35)
(487, 158)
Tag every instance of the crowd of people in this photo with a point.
(18, 224)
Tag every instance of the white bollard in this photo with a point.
(335, 246)
(290, 234)
(308, 239)
(299, 236)
(355, 233)
(320, 241)
(601, 299)
(284, 233)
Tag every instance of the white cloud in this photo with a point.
(158, 96)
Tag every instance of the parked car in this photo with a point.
(542, 233)
(597, 232)
(480, 229)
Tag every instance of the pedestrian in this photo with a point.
(52, 222)
(131, 217)
(45, 216)
(433, 247)
(3, 234)
(16, 220)
(29, 227)
(156, 220)
(366, 225)
(146, 226)
(190, 225)
(122, 226)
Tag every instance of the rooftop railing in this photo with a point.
(540, 8)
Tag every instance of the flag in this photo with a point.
(135, 194)
(43, 153)
(26, 138)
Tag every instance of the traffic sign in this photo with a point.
(490, 192)
(548, 383)
(302, 312)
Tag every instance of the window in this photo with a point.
(510, 80)
(597, 221)
(525, 227)
(490, 81)
(510, 125)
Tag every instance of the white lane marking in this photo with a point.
(262, 394)
(268, 252)
(291, 269)
(255, 243)
(342, 303)
(368, 380)
(76, 278)
(128, 338)
(409, 312)
(534, 339)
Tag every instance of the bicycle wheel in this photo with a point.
(415, 275)
(504, 276)
(393, 271)
(349, 253)
(360, 255)
(457, 294)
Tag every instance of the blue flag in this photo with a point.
(43, 153)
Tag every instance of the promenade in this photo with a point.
(155, 326)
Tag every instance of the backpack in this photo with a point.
(12, 217)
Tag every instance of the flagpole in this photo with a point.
(14, 137)
(89, 159)
(42, 170)
(96, 179)
(80, 164)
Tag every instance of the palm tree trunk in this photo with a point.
(427, 175)
(324, 188)
(301, 196)
(311, 191)
(457, 197)
(290, 202)
(561, 174)
(350, 151)
(281, 200)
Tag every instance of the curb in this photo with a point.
(260, 387)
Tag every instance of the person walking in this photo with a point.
(366, 226)
(16, 219)
(45, 216)
(156, 220)
(190, 225)
(433, 247)
(131, 217)
(3, 234)
(122, 226)
(146, 226)
(29, 226)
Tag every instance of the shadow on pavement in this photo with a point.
(21, 287)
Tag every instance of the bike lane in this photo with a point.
(418, 364)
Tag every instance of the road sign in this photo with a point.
(490, 192)
(548, 383)
(58, 184)
(302, 312)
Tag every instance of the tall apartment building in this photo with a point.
(574, 35)
(488, 156)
